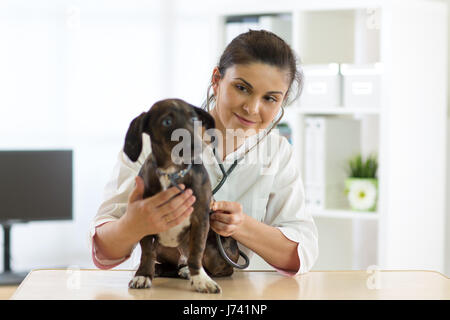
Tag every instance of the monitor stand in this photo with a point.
(12, 278)
(7, 277)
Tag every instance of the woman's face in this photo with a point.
(248, 97)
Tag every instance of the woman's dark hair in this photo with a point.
(265, 47)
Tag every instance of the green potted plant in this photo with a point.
(361, 187)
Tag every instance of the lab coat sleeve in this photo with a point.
(115, 201)
(286, 208)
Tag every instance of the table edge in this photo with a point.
(20, 287)
(243, 271)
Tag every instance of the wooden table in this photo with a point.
(6, 292)
(242, 285)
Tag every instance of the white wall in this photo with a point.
(447, 227)
(74, 74)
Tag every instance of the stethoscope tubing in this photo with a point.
(218, 236)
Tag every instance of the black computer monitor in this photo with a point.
(35, 185)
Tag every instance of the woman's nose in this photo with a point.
(252, 106)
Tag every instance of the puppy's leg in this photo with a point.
(183, 272)
(199, 278)
(183, 269)
(166, 270)
(146, 271)
(172, 261)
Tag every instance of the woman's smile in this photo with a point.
(244, 121)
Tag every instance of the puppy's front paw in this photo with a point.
(204, 284)
(140, 282)
(184, 273)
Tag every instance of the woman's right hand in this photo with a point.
(156, 214)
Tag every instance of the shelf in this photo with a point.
(332, 110)
(344, 214)
(399, 130)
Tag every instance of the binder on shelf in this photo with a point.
(329, 143)
(237, 26)
(278, 24)
(281, 25)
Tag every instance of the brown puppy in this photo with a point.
(188, 247)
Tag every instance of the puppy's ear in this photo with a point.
(206, 119)
(133, 139)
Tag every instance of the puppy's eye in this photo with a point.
(194, 118)
(167, 122)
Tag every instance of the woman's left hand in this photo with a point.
(227, 217)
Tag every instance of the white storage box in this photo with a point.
(322, 86)
(361, 85)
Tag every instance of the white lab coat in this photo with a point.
(266, 182)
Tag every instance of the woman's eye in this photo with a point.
(167, 122)
(241, 88)
(271, 99)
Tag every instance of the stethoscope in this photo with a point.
(225, 175)
(173, 177)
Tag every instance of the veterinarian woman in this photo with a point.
(262, 202)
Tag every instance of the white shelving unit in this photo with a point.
(332, 111)
(408, 130)
(345, 214)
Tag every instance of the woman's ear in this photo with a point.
(216, 76)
